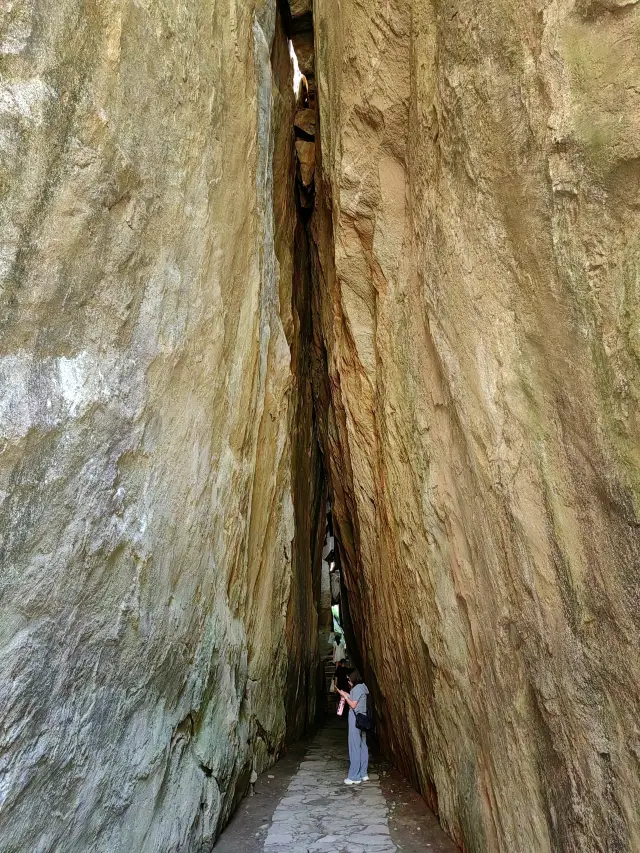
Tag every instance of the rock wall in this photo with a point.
(477, 366)
(462, 308)
(157, 584)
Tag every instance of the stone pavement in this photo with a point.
(320, 813)
(303, 806)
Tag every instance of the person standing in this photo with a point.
(339, 650)
(356, 699)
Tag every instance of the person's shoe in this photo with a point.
(351, 781)
(365, 779)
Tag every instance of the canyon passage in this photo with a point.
(400, 302)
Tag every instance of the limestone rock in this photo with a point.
(477, 250)
(306, 152)
(305, 52)
(458, 321)
(157, 634)
(305, 121)
(299, 8)
(300, 23)
(608, 5)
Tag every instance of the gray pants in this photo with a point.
(358, 750)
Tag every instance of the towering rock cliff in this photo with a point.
(159, 475)
(476, 283)
(446, 304)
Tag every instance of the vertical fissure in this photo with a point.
(313, 249)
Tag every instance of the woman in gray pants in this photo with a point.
(358, 749)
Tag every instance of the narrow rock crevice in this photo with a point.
(410, 291)
(314, 227)
(314, 255)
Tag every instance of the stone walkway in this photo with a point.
(320, 813)
(303, 806)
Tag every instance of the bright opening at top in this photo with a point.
(297, 74)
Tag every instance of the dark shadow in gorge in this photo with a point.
(297, 686)
(304, 700)
(309, 359)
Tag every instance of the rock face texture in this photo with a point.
(476, 286)
(209, 294)
(160, 483)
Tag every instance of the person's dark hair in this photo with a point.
(355, 677)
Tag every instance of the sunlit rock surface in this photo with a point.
(158, 624)
(477, 289)
(468, 288)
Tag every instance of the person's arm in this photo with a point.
(350, 702)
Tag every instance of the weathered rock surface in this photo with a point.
(299, 22)
(306, 153)
(305, 121)
(159, 477)
(471, 292)
(477, 270)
